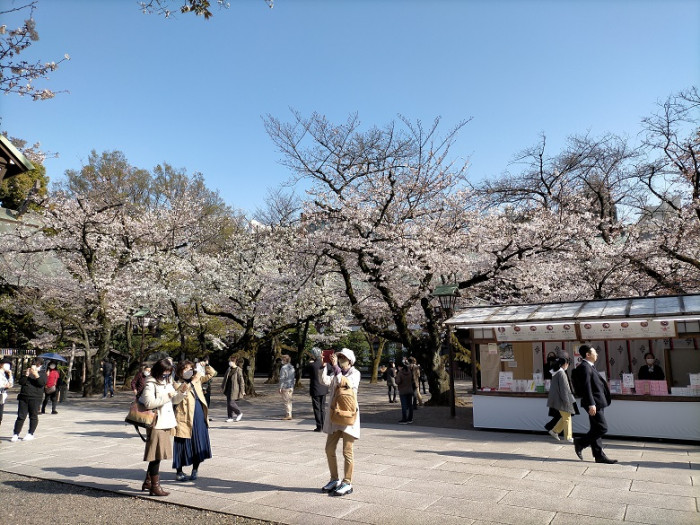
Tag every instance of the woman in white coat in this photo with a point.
(343, 373)
(159, 394)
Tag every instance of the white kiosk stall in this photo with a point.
(511, 345)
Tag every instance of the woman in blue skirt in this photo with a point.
(191, 445)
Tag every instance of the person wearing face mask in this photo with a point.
(191, 445)
(342, 374)
(650, 370)
(562, 399)
(159, 394)
(139, 380)
(29, 399)
(53, 377)
(6, 382)
(233, 387)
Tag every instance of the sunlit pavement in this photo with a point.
(271, 469)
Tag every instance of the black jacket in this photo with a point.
(32, 388)
(591, 386)
(316, 386)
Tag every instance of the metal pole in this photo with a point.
(452, 370)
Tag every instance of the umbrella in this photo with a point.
(53, 356)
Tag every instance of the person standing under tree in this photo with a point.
(233, 387)
(317, 389)
(287, 386)
(53, 377)
(343, 375)
(29, 399)
(108, 375)
(6, 382)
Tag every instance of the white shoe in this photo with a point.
(28, 437)
(229, 420)
(239, 416)
(14, 438)
(554, 435)
(570, 440)
(331, 485)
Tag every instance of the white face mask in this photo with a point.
(146, 374)
(52, 367)
(231, 364)
(650, 361)
(6, 367)
(187, 374)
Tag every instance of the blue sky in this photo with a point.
(193, 93)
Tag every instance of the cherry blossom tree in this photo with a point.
(17, 75)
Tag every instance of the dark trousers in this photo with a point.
(207, 396)
(108, 386)
(231, 407)
(319, 405)
(553, 422)
(392, 393)
(27, 406)
(54, 399)
(599, 427)
(2, 409)
(406, 407)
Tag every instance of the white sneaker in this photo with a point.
(331, 485)
(342, 490)
(229, 420)
(239, 416)
(28, 437)
(14, 438)
(570, 440)
(554, 435)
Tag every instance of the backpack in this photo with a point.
(344, 405)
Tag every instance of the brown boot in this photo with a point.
(156, 489)
(146, 483)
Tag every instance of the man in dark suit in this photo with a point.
(595, 396)
(317, 390)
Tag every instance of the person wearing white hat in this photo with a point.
(343, 376)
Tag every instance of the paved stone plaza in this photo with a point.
(270, 469)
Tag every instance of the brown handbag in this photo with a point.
(141, 417)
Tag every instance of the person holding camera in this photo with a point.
(29, 399)
(317, 390)
(343, 375)
(191, 445)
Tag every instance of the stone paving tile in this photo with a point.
(653, 515)
(445, 476)
(383, 514)
(599, 509)
(670, 476)
(469, 491)
(665, 488)
(499, 512)
(312, 503)
(516, 473)
(393, 497)
(663, 501)
(599, 482)
(366, 479)
(554, 488)
(564, 518)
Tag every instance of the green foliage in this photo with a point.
(15, 190)
(357, 342)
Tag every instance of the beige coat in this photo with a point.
(184, 410)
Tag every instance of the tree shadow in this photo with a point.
(96, 433)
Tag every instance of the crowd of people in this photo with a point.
(180, 396)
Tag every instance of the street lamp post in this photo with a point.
(143, 318)
(447, 295)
